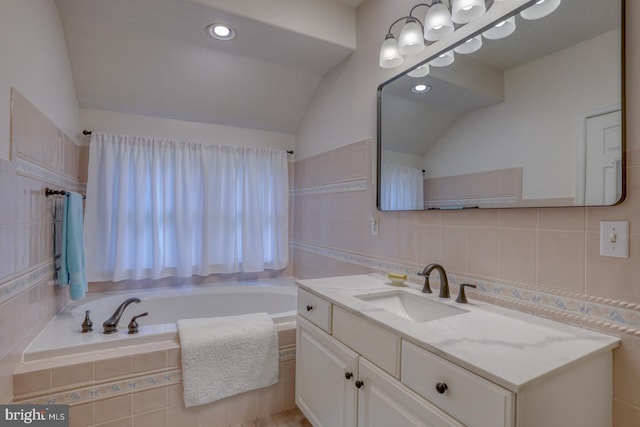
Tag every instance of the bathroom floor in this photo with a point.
(291, 418)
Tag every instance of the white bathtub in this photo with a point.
(165, 306)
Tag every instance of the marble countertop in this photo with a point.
(510, 348)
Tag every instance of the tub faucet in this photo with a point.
(444, 283)
(111, 324)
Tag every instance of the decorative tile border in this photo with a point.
(287, 353)
(83, 394)
(340, 187)
(33, 170)
(13, 287)
(108, 390)
(599, 312)
(470, 202)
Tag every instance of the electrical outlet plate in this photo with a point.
(375, 222)
(614, 239)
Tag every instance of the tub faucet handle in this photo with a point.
(87, 325)
(133, 325)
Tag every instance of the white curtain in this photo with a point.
(160, 208)
(401, 188)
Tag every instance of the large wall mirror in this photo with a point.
(534, 119)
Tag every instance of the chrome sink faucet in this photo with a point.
(444, 283)
(110, 325)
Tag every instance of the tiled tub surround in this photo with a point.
(141, 386)
(63, 336)
(41, 156)
(540, 261)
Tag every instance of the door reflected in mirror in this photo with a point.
(530, 119)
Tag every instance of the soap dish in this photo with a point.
(397, 279)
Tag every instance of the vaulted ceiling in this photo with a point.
(155, 57)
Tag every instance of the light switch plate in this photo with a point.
(614, 239)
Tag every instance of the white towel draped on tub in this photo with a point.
(224, 356)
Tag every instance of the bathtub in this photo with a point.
(63, 335)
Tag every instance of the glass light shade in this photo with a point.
(443, 60)
(540, 9)
(470, 46)
(411, 40)
(463, 11)
(389, 54)
(437, 23)
(501, 30)
(421, 71)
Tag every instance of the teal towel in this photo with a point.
(72, 267)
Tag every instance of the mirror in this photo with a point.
(531, 120)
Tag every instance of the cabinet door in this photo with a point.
(324, 391)
(384, 402)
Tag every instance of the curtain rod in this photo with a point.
(88, 132)
(51, 192)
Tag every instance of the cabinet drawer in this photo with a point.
(468, 397)
(376, 344)
(315, 309)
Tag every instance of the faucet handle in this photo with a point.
(462, 298)
(133, 325)
(426, 288)
(87, 325)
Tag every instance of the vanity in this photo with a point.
(373, 354)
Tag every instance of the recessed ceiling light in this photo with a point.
(421, 88)
(221, 31)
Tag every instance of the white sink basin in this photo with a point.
(410, 306)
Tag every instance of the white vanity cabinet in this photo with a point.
(354, 372)
(335, 387)
(384, 402)
(326, 372)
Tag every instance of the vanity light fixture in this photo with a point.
(540, 9)
(221, 31)
(421, 88)
(501, 30)
(472, 45)
(438, 23)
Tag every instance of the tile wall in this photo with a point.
(141, 386)
(41, 156)
(542, 261)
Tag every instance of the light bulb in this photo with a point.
(437, 22)
(540, 9)
(221, 32)
(411, 40)
(390, 56)
(443, 60)
(501, 30)
(470, 46)
(421, 88)
(463, 11)
(421, 71)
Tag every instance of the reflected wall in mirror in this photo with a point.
(533, 119)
